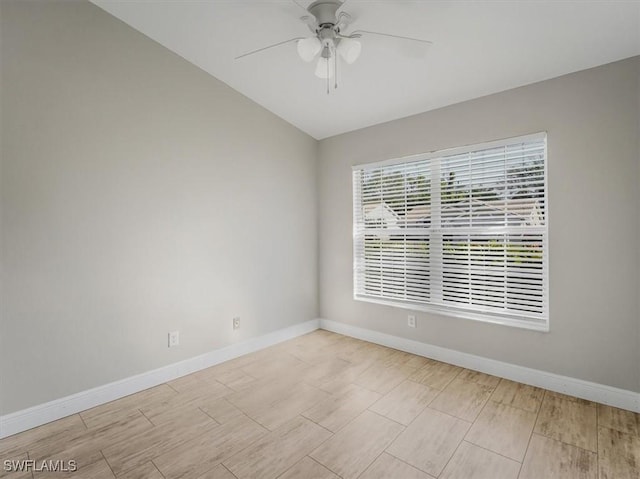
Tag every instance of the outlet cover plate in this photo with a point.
(174, 338)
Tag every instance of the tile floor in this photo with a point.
(328, 406)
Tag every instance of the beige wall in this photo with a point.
(139, 195)
(593, 164)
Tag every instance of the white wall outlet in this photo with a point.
(411, 321)
(236, 322)
(174, 338)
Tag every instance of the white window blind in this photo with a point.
(462, 231)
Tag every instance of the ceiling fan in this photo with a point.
(329, 40)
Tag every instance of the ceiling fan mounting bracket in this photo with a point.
(325, 12)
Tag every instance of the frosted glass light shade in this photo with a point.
(349, 49)
(325, 68)
(308, 48)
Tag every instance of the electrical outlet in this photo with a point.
(236, 322)
(411, 321)
(174, 338)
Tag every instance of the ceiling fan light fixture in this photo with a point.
(325, 68)
(308, 48)
(329, 40)
(349, 49)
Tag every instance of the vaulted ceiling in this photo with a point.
(479, 47)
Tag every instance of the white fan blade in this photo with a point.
(344, 20)
(298, 5)
(268, 47)
(367, 32)
(311, 22)
(413, 47)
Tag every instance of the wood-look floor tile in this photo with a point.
(570, 398)
(462, 399)
(196, 456)
(298, 399)
(568, 421)
(15, 467)
(95, 470)
(619, 454)
(376, 351)
(342, 382)
(278, 450)
(399, 358)
(308, 468)
(518, 395)
(115, 411)
(235, 379)
(430, 441)
(503, 429)
(381, 378)
(405, 401)
(360, 353)
(186, 413)
(233, 364)
(198, 421)
(387, 466)
(143, 447)
(478, 377)
(264, 391)
(325, 371)
(86, 459)
(275, 366)
(435, 374)
(470, 461)
(619, 419)
(547, 458)
(417, 362)
(218, 472)
(335, 411)
(193, 388)
(338, 387)
(221, 410)
(313, 350)
(352, 449)
(146, 471)
(85, 448)
(55, 432)
(348, 343)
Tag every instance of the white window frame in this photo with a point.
(539, 323)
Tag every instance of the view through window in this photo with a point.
(461, 231)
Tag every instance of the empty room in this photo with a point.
(319, 239)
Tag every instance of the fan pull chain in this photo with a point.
(335, 70)
(328, 79)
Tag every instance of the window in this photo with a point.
(461, 232)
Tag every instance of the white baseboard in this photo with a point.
(41, 414)
(600, 393)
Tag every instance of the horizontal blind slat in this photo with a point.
(486, 250)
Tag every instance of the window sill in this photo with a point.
(512, 321)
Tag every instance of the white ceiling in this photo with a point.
(479, 47)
